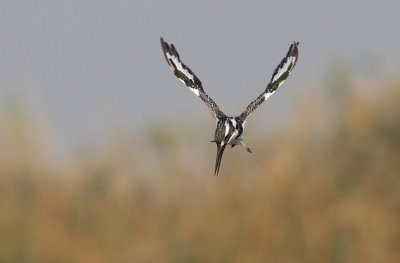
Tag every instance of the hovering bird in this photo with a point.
(229, 130)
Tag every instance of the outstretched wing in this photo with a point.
(281, 73)
(184, 74)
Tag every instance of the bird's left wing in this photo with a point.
(184, 74)
(281, 73)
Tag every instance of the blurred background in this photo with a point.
(105, 155)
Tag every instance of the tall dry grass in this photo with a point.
(324, 188)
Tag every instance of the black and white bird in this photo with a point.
(229, 130)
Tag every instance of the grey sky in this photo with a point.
(86, 63)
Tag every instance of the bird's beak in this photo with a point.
(220, 151)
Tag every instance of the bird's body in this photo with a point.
(229, 130)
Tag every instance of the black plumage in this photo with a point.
(229, 130)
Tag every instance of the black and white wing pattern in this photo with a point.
(184, 74)
(281, 73)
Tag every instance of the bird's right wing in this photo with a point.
(281, 73)
(184, 74)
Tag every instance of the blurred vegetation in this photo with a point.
(324, 188)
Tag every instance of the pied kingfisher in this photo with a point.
(229, 130)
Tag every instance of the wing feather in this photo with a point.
(280, 74)
(184, 74)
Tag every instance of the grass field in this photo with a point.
(324, 188)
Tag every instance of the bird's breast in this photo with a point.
(236, 138)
